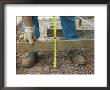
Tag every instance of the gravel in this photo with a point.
(65, 64)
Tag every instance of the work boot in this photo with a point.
(29, 59)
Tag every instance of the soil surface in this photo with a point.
(65, 63)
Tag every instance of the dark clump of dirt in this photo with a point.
(65, 63)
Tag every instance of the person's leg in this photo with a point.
(36, 26)
(69, 27)
(70, 33)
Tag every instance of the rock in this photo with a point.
(78, 59)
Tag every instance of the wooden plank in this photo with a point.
(37, 46)
(48, 45)
(69, 45)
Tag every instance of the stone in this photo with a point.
(78, 59)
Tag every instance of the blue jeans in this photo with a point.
(36, 25)
(68, 27)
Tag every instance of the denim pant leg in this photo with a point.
(69, 27)
(36, 26)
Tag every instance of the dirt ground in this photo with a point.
(65, 64)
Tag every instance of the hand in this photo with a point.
(28, 35)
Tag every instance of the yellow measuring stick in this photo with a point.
(54, 26)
